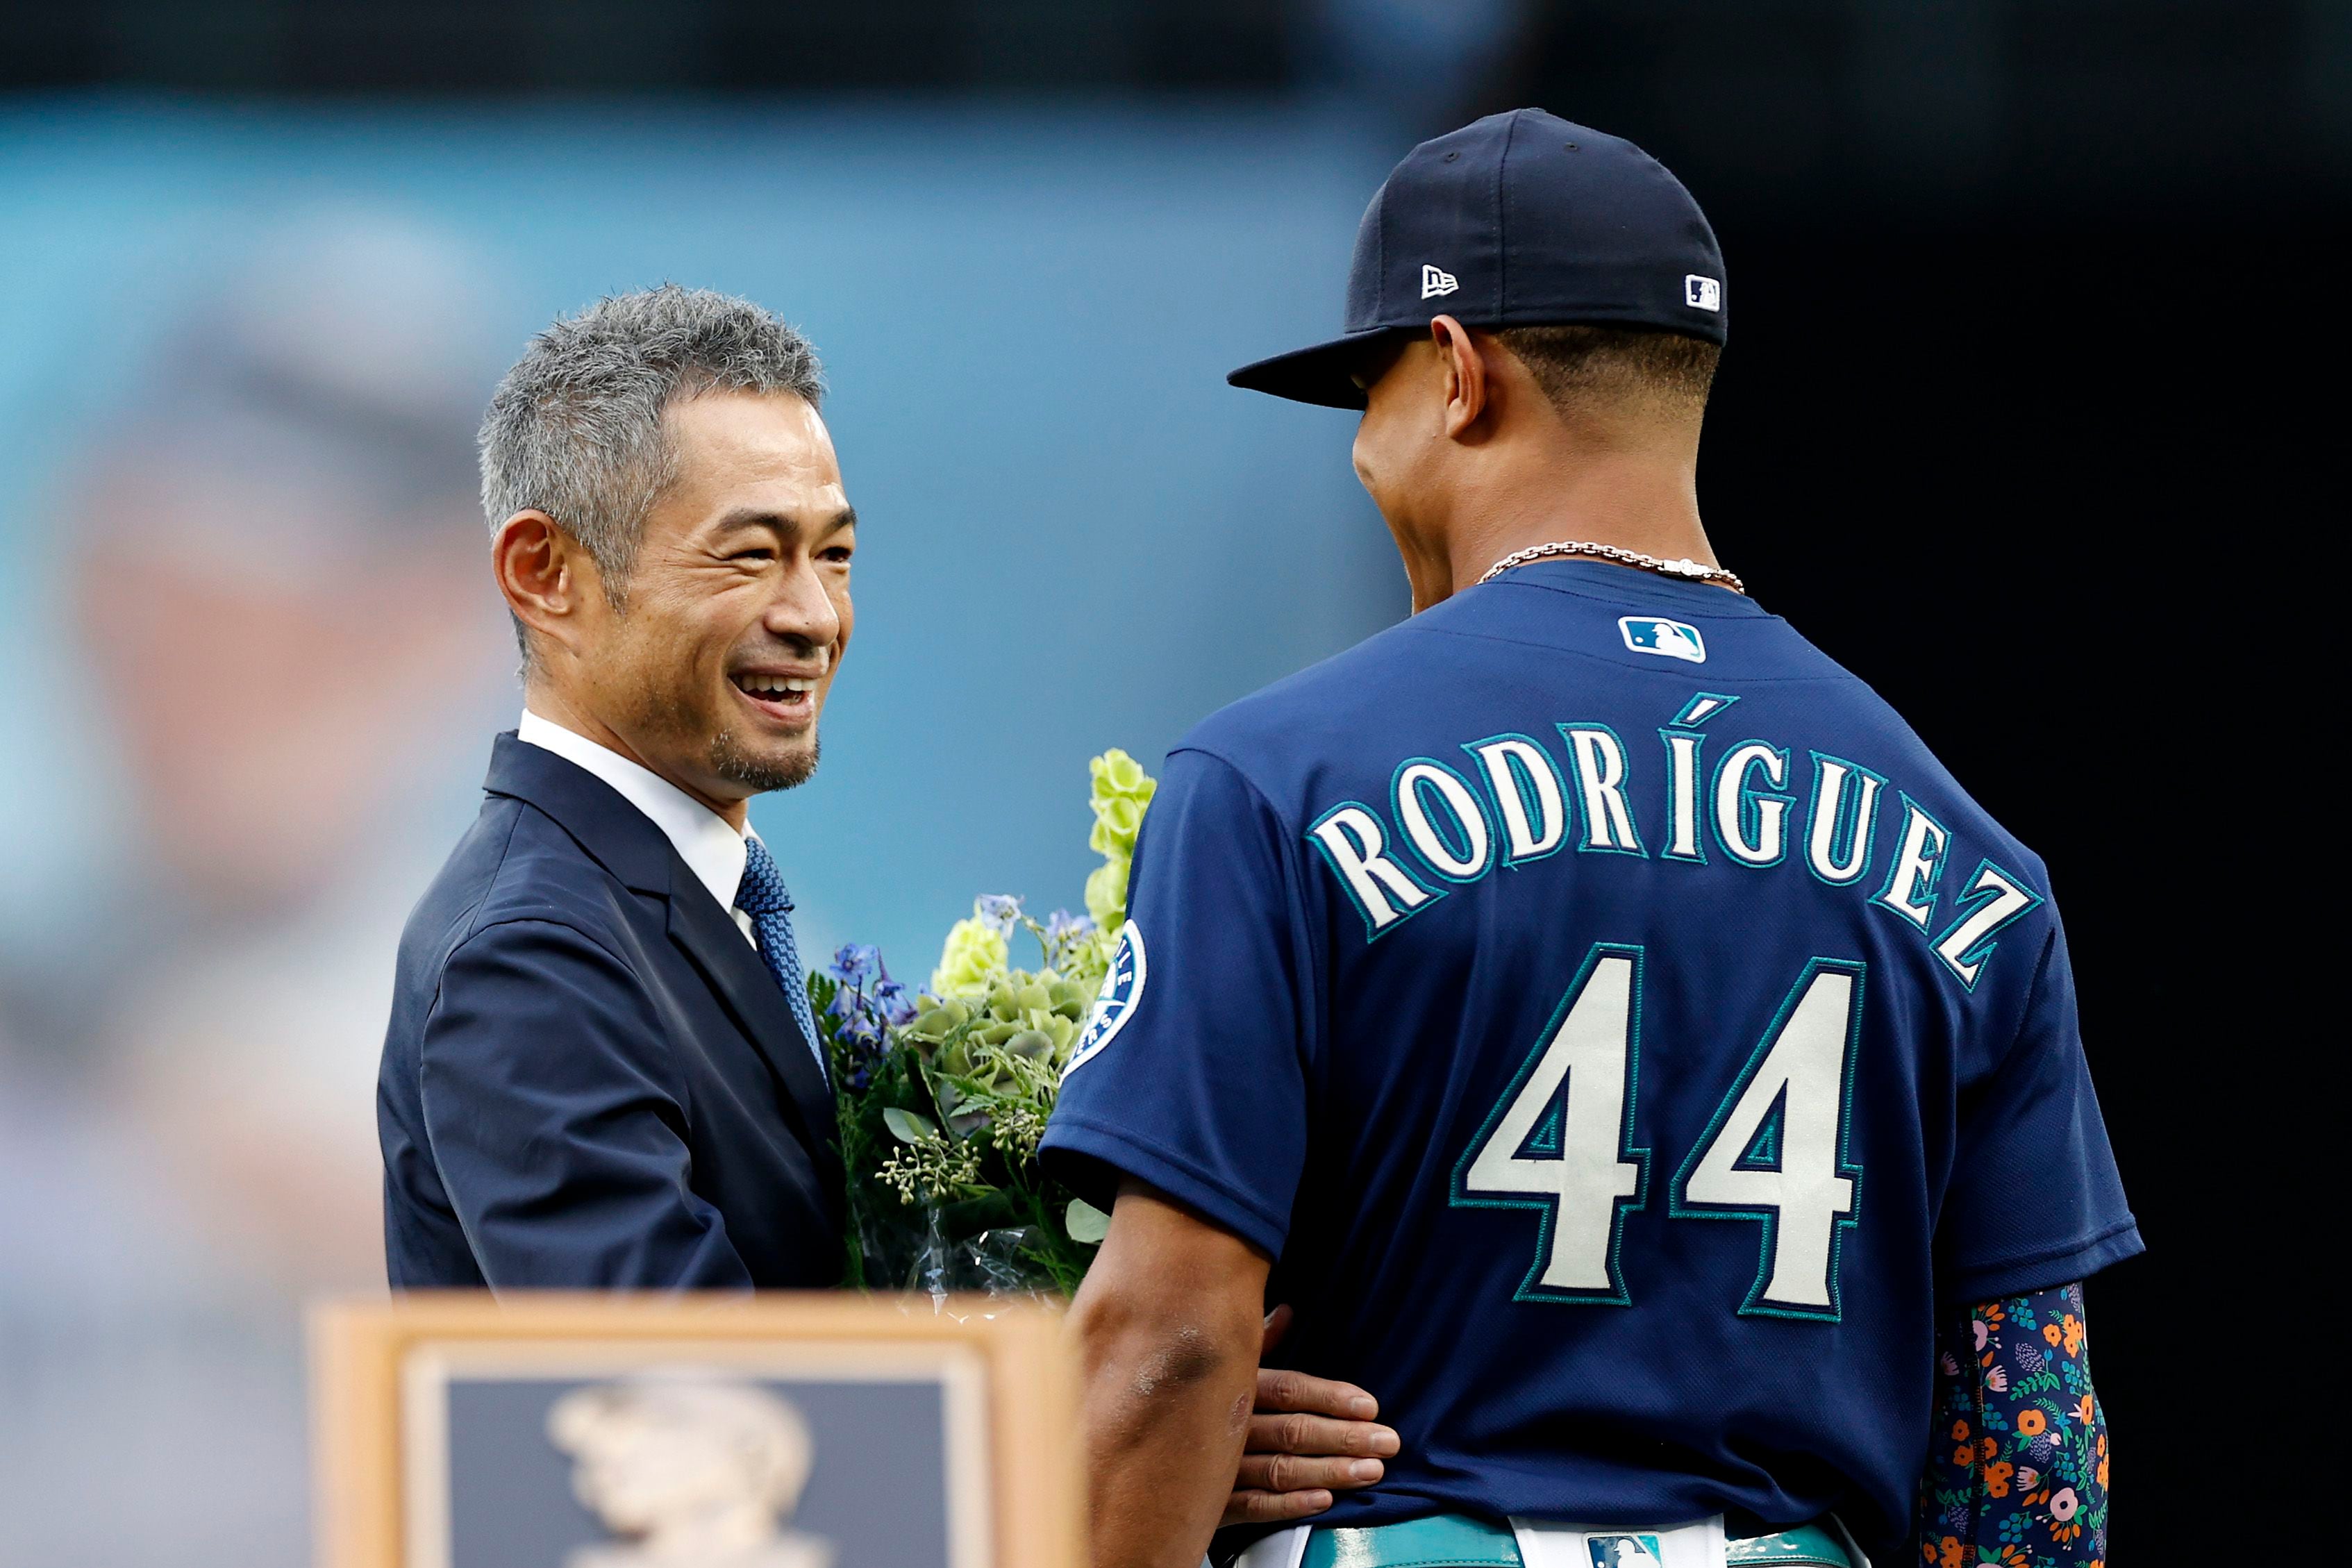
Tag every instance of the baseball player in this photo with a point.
(1634, 1056)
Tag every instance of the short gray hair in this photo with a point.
(575, 428)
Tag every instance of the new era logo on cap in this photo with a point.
(1702, 293)
(1435, 281)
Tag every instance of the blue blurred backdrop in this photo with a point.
(1025, 320)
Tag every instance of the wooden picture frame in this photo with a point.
(1007, 1389)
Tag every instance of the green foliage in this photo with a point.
(907, 1127)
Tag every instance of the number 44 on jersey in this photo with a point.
(1561, 1141)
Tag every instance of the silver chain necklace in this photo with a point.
(1685, 568)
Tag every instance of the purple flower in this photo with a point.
(865, 1002)
(1062, 927)
(855, 965)
(858, 1026)
(999, 910)
(894, 1002)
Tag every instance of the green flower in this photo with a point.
(936, 1024)
(973, 960)
(1121, 791)
(1107, 893)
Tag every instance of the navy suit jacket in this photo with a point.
(590, 1079)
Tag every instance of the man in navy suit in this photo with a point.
(601, 1072)
(601, 1069)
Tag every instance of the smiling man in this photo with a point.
(601, 1070)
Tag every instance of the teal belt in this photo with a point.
(1456, 1540)
(1453, 1540)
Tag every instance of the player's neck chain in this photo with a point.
(1685, 568)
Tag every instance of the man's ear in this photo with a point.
(547, 580)
(1463, 371)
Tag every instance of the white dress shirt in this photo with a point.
(705, 840)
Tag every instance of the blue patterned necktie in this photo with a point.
(763, 898)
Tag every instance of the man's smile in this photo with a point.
(789, 698)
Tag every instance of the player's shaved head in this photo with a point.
(1475, 443)
(1641, 371)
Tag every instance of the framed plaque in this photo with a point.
(820, 1431)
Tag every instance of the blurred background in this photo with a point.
(2022, 420)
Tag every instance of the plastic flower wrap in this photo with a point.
(943, 1098)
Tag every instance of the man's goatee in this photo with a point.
(729, 761)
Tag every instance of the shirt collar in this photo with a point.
(705, 840)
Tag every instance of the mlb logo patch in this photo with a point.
(1114, 1003)
(1668, 640)
(1702, 293)
(1625, 1550)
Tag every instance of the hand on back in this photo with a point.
(1308, 1440)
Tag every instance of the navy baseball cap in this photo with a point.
(1516, 220)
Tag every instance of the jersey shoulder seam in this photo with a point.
(1298, 873)
(2025, 1006)
(1239, 772)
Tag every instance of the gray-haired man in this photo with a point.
(601, 1070)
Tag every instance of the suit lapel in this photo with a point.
(734, 967)
(626, 843)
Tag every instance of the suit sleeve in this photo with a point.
(2035, 1200)
(556, 1122)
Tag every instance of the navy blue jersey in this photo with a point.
(1621, 1031)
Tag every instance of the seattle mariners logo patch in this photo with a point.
(1114, 1003)
(1672, 640)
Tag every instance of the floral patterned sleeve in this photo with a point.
(2018, 1473)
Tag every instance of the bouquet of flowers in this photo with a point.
(943, 1096)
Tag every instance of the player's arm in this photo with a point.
(1168, 1325)
(2019, 1462)
(2019, 1456)
(1194, 1089)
